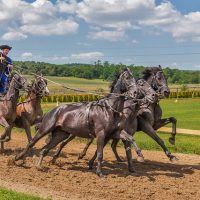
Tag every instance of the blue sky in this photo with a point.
(146, 32)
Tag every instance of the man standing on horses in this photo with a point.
(5, 67)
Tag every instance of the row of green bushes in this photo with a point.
(91, 97)
(185, 94)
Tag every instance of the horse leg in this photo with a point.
(100, 146)
(2, 143)
(127, 146)
(163, 122)
(114, 149)
(91, 162)
(148, 129)
(37, 137)
(57, 137)
(62, 145)
(83, 153)
(26, 126)
(5, 137)
(138, 151)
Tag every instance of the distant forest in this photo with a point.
(101, 70)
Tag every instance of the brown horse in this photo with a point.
(30, 111)
(8, 105)
(96, 119)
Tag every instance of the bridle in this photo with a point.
(40, 89)
(155, 85)
(17, 83)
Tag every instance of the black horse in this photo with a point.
(150, 115)
(146, 94)
(96, 119)
(149, 118)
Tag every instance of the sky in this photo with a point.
(139, 32)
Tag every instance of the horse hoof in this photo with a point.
(17, 157)
(100, 174)
(140, 159)
(132, 170)
(120, 160)
(39, 168)
(173, 158)
(172, 140)
(80, 156)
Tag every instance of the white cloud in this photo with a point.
(13, 35)
(26, 55)
(18, 19)
(87, 56)
(105, 18)
(107, 35)
(58, 58)
(67, 7)
(137, 14)
(134, 41)
(57, 27)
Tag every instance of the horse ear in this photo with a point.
(128, 69)
(14, 72)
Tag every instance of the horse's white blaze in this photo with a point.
(47, 90)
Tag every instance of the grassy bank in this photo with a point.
(6, 194)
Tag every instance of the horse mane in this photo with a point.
(149, 71)
(116, 77)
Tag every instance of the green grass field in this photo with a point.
(11, 195)
(187, 112)
(85, 84)
(78, 83)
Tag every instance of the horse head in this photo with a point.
(19, 82)
(39, 86)
(146, 91)
(156, 78)
(125, 83)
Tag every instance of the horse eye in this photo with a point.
(159, 78)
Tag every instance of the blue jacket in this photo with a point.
(8, 62)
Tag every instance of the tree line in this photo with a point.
(100, 70)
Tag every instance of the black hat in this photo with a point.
(5, 47)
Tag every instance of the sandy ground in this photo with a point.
(157, 178)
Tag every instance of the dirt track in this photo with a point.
(156, 179)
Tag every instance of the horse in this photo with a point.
(95, 119)
(149, 119)
(130, 113)
(150, 116)
(30, 111)
(8, 105)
